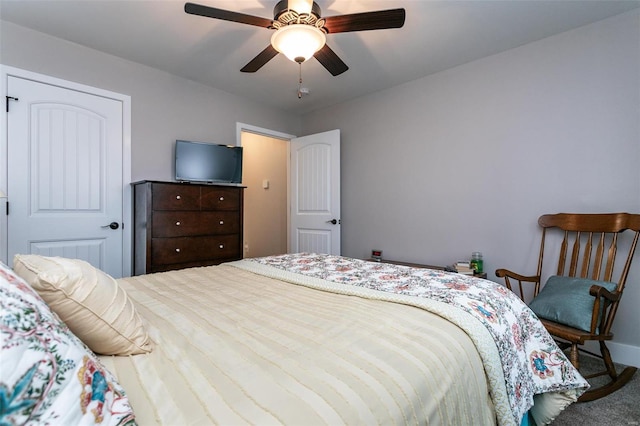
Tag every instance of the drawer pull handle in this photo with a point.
(178, 223)
(222, 222)
(221, 198)
(221, 246)
(177, 250)
(178, 197)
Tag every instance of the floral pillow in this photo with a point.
(47, 375)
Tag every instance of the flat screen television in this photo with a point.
(207, 162)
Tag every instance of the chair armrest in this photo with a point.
(507, 275)
(599, 317)
(598, 291)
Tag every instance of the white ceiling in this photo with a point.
(437, 35)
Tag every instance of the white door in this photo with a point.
(315, 193)
(65, 174)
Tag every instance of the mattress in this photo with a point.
(233, 347)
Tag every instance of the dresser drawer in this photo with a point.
(190, 223)
(176, 197)
(191, 249)
(217, 198)
(178, 225)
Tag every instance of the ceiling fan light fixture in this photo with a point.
(298, 42)
(300, 6)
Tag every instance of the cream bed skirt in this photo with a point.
(235, 348)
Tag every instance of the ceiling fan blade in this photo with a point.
(212, 12)
(330, 61)
(263, 57)
(378, 20)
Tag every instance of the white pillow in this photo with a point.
(89, 301)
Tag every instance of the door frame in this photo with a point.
(127, 209)
(243, 127)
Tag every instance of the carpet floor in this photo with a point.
(620, 408)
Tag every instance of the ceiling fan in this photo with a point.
(301, 30)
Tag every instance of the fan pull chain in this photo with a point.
(300, 81)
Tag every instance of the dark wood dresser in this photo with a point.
(180, 225)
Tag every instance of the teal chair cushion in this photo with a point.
(566, 300)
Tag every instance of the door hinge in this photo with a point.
(7, 208)
(10, 98)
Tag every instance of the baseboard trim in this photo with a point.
(621, 353)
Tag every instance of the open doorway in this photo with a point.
(265, 176)
(300, 212)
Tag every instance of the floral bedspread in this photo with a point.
(531, 362)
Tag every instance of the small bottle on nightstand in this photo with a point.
(476, 262)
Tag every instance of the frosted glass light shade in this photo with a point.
(298, 42)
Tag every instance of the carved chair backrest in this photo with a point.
(589, 247)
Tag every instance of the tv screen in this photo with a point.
(206, 162)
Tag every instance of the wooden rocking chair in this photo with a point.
(580, 302)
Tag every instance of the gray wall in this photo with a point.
(164, 107)
(467, 159)
(461, 161)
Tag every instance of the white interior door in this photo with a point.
(65, 174)
(315, 193)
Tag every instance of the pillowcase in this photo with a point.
(567, 300)
(89, 301)
(48, 376)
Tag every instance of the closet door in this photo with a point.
(65, 174)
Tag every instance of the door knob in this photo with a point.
(112, 225)
(333, 221)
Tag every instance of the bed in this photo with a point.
(303, 339)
